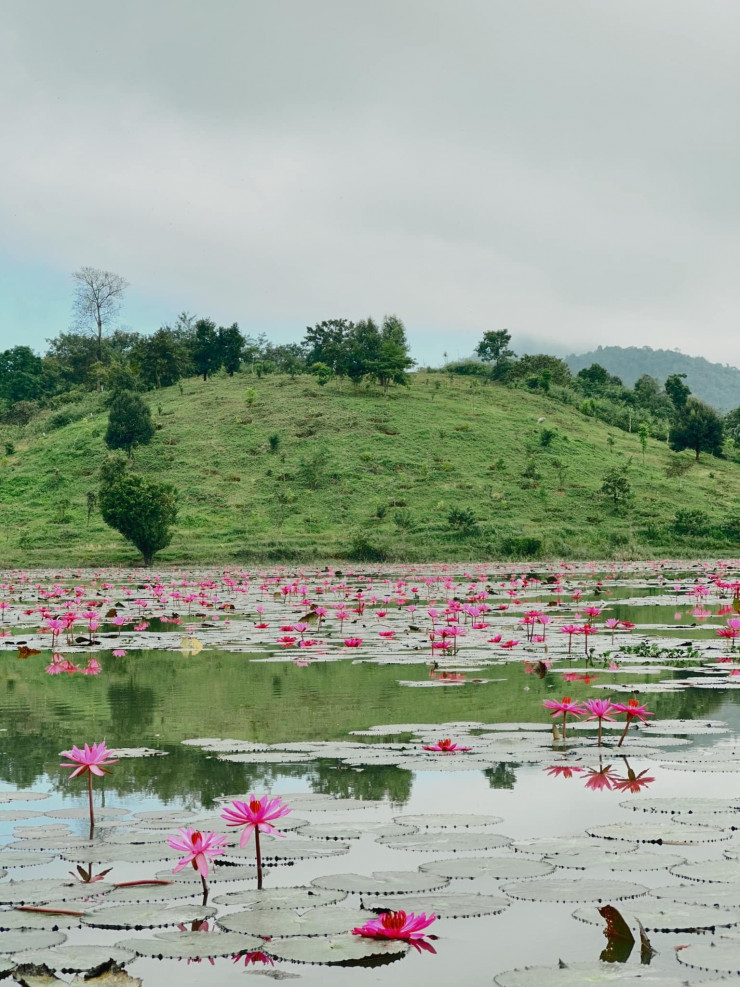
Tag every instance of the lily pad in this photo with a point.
(381, 882)
(20, 796)
(722, 871)
(716, 957)
(668, 917)
(145, 916)
(77, 958)
(718, 895)
(152, 892)
(192, 945)
(343, 950)
(498, 868)
(556, 845)
(583, 889)
(20, 940)
(281, 850)
(351, 830)
(45, 890)
(442, 905)
(449, 842)
(278, 922)
(664, 834)
(450, 820)
(269, 899)
(112, 853)
(18, 919)
(684, 805)
(586, 974)
(644, 860)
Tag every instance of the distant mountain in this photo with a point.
(716, 383)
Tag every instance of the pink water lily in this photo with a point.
(256, 816)
(198, 848)
(565, 707)
(93, 760)
(396, 925)
(634, 711)
(599, 710)
(446, 746)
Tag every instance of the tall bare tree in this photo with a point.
(98, 297)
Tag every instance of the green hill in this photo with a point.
(717, 384)
(351, 473)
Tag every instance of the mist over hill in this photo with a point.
(716, 383)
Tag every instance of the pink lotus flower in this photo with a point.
(396, 925)
(119, 653)
(352, 642)
(599, 710)
(566, 707)
(256, 817)
(92, 759)
(254, 958)
(199, 849)
(634, 711)
(446, 746)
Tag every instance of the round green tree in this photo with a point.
(697, 427)
(143, 511)
(129, 422)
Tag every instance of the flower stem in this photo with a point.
(205, 890)
(599, 741)
(624, 732)
(90, 799)
(564, 718)
(259, 857)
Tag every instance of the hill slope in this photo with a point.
(356, 474)
(717, 384)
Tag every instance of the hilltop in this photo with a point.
(716, 383)
(446, 468)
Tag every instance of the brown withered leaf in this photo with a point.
(112, 612)
(620, 941)
(25, 652)
(646, 950)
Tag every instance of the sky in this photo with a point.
(567, 171)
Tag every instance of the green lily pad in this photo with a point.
(718, 895)
(271, 898)
(668, 917)
(498, 868)
(77, 958)
(145, 915)
(684, 805)
(717, 957)
(665, 834)
(351, 830)
(45, 890)
(449, 820)
(24, 858)
(20, 940)
(342, 950)
(381, 882)
(449, 842)
(586, 974)
(279, 922)
(192, 945)
(723, 871)
(442, 905)
(583, 889)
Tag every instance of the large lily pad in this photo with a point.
(21, 796)
(549, 846)
(587, 974)
(664, 834)
(45, 890)
(278, 850)
(153, 892)
(447, 820)
(350, 830)
(716, 957)
(718, 895)
(74, 958)
(344, 950)
(723, 871)
(24, 858)
(583, 889)
(279, 922)
(498, 868)
(112, 853)
(442, 905)
(146, 915)
(446, 842)
(644, 860)
(381, 882)
(683, 805)
(271, 898)
(668, 917)
(192, 945)
(20, 940)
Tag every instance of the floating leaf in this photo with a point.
(45, 890)
(281, 922)
(722, 871)
(443, 905)
(717, 957)
(344, 950)
(449, 842)
(683, 805)
(77, 958)
(450, 820)
(670, 916)
(350, 830)
(498, 868)
(278, 849)
(145, 916)
(719, 895)
(665, 834)
(643, 860)
(561, 889)
(271, 898)
(19, 940)
(557, 845)
(152, 892)
(381, 882)
(192, 945)
(587, 974)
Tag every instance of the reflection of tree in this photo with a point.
(502, 776)
(372, 782)
(135, 706)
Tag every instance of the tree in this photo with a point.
(616, 485)
(677, 391)
(329, 342)
(494, 349)
(20, 374)
(206, 352)
(535, 364)
(142, 511)
(231, 346)
(697, 427)
(162, 359)
(98, 297)
(129, 423)
(643, 431)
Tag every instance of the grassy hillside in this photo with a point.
(357, 473)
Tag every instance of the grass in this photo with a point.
(306, 473)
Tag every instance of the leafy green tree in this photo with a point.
(129, 423)
(231, 347)
(322, 373)
(697, 427)
(643, 432)
(615, 484)
(677, 391)
(21, 373)
(494, 349)
(162, 359)
(205, 348)
(329, 342)
(536, 364)
(141, 510)
(731, 424)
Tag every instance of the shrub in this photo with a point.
(141, 510)
(521, 546)
(690, 521)
(363, 549)
(129, 423)
(462, 520)
(274, 441)
(9, 448)
(547, 435)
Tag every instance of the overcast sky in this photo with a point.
(567, 170)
